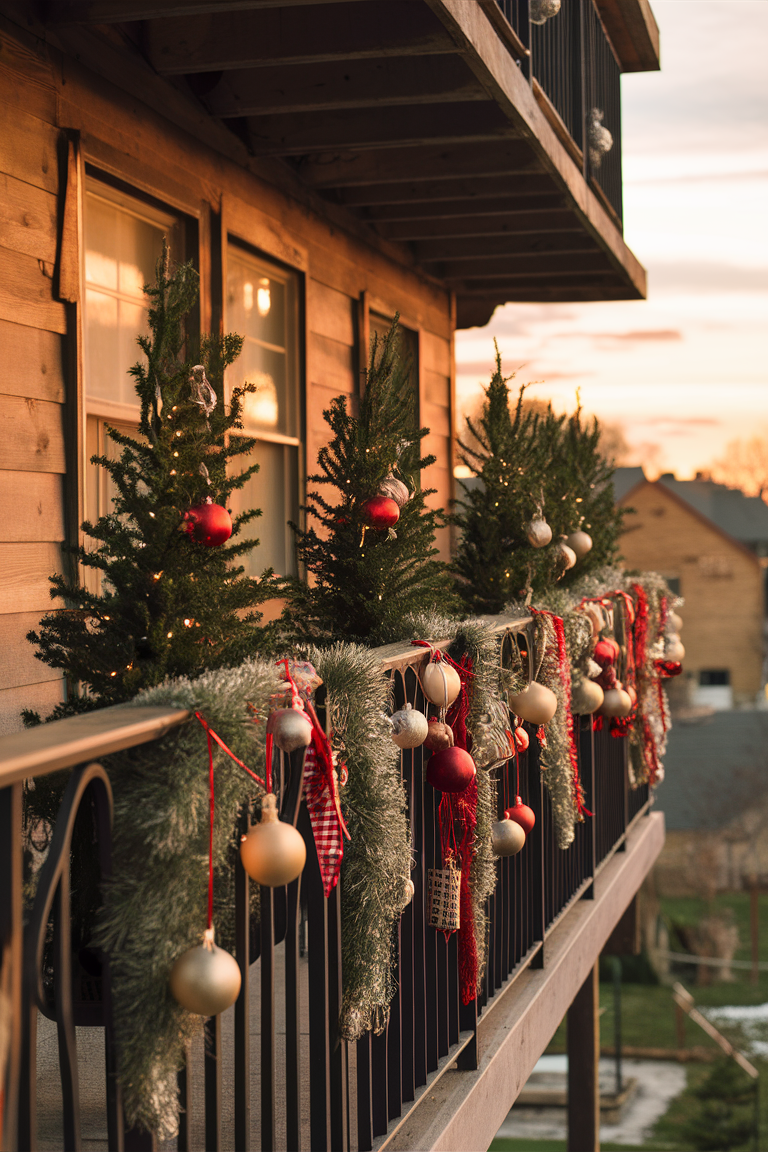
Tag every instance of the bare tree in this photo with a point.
(744, 465)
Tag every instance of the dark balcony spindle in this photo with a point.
(603, 92)
(292, 1020)
(364, 1094)
(395, 1047)
(184, 1137)
(556, 65)
(212, 1084)
(242, 1004)
(379, 1083)
(432, 857)
(454, 992)
(319, 1015)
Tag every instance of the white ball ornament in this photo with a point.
(441, 683)
(674, 622)
(408, 890)
(291, 728)
(539, 533)
(409, 727)
(586, 697)
(536, 703)
(579, 542)
(273, 852)
(565, 557)
(507, 837)
(205, 979)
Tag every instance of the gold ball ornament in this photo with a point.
(565, 557)
(409, 727)
(507, 837)
(673, 649)
(291, 728)
(616, 702)
(205, 979)
(273, 852)
(586, 697)
(408, 890)
(441, 683)
(579, 542)
(539, 533)
(536, 703)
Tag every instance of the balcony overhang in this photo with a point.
(411, 119)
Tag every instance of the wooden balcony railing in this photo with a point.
(273, 1072)
(574, 71)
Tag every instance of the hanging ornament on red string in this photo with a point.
(522, 815)
(586, 696)
(564, 556)
(507, 837)
(380, 512)
(439, 736)
(208, 524)
(290, 728)
(606, 652)
(206, 979)
(451, 770)
(538, 532)
(667, 668)
(440, 682)
(273, 852)
(580, 543)
(522, 739)
(535, 703)
(394, 489)
(616, 702)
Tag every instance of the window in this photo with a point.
(714, 689)
(123, 241)
(674, 585)
(262, 306)
(712, 676)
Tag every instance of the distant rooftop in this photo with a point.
(745, 518)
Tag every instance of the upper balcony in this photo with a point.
(460, 137)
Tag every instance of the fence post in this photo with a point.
(11, 953)
(583, 1039)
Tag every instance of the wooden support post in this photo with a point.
(583, 1059)
(755, 929)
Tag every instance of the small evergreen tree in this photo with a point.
(528, 464)
(362, 581)
(726, 1116)
(168, 606)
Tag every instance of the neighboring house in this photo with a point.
(324, 165)
(715, 802)
(710, 542)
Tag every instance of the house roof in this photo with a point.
(714, 770)
(742, 518)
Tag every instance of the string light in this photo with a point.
(173, 472)
(169, 635)
(157, 576)
(113, 673)
(152, 515)
(175, 454)
(187, 623)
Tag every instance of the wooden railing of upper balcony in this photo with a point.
(273, 1071)
(573, 69)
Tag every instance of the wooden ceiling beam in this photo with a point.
(500, 248)
(510, 158)
(462, 273)
(506, 224)
(368, 29)
(474, 208)
(344, 84)
(435, 191)
(124, 11)
(365, 130)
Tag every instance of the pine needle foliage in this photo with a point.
(361, 581)
(528, 464)
(167, 605)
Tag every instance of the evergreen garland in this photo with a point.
(528, 464)
(168, 606)
(361, 581)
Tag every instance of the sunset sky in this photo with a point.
(686, 370)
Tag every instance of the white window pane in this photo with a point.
(134, 321)
(274, 489)
(141, 245)
(101, 224)
(102, 362)
(268, 406)
(255, 302)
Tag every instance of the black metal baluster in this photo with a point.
(184, 1137)
(394, 1043)
(432, 854)
(405, 970)
(419, 921)
(379, 1084)
(364, 1094)
(267, 1066)
(338, 1073)
(242, 1004)
(212, 1084)
(292, 1023)
(454, 991)
(319, 1016)
(441, 951)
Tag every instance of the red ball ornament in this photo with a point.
(521, 814)
(606, 652)
(209, 524)
(521, 739)
(666, 668)
(380, 512)
(451, 770)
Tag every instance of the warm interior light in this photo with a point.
(263, 297)
(261, 407)
(462, 472)
(248, 296)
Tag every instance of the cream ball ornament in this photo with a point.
(273, 852)
(579, 542)
(586, 697)
(538, 532)
(674, 622)
(441, 683)
(507, 837)
(205, 979)
(536, 703)
(290, 728)
(616, 702)
(409, 727)
(673, 649)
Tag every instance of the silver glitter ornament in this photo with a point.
(395, 490)
(409, 727)
(291, 729)
(538, 532)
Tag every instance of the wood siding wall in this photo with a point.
(721, 582)
(47, 98)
